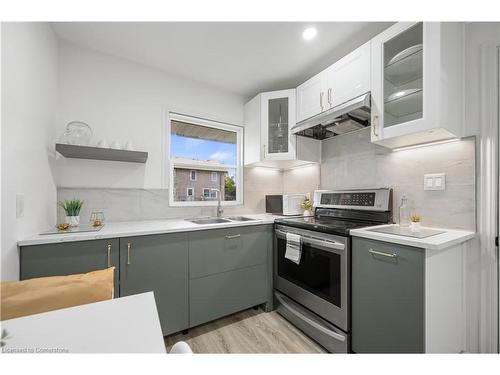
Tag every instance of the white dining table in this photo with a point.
(121, 325)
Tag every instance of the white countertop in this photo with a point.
(441, 241)
(141, 228)
(121, 325)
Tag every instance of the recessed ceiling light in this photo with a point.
(309, 33)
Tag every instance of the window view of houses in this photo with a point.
(203, 162)
(201, 180)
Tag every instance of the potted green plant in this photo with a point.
(307, 205)
(72, 209)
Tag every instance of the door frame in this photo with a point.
(497, 179)
(481, 119)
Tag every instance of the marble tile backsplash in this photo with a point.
(352, 161)
(150, 204)
(348, 161)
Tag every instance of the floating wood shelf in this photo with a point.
(99, 153)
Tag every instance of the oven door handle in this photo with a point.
(311, 322)
(328, 245)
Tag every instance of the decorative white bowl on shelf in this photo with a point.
(405, 67)
(402, 93)
(102, 144)
(405, 53)
(407, 103)
(116, 145)
(129, 146)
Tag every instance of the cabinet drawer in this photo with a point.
(221, 250)
(218, 295)
(387, 297)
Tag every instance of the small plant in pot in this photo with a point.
(415, 222)
(307, 205)
(72, 209)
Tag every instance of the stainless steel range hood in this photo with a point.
(344, 118)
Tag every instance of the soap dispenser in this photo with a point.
(404, 213)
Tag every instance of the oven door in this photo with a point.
(320, 280)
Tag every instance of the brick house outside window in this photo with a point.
(198, 177)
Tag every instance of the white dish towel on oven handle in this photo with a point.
(293, 247)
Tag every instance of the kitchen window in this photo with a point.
(204, 155)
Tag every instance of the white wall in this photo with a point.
(29, 86)
(122, 100)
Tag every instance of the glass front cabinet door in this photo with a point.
(415, 78)
(278, 116)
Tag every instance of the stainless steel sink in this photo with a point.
(210, 220)
(240, 218)
(218, 220)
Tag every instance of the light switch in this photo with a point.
(435, 181)
(428, 182)
(19, 205)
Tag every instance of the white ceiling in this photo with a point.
(243, 58)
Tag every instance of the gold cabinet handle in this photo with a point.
(129, 245)
(109, 255)
(375, 252)
(375, 125)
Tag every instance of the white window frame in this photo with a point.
(191, 175)
(168, 165)
(211, 193)
(216, 174)
(204, 192)
(192, 192)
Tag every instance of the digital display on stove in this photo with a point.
(349, 199)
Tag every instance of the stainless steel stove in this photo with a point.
(315, 293)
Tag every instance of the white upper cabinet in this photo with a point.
(277, 116)
(311, 98)
(417, 83)
(268, 140)
(346, 79)
(349, 77)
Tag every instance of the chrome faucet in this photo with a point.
(220, 210)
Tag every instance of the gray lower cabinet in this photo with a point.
(229, 271)
(388, 302)
(214, 296)
(69, 258)
(158, 263)
(195, 276)
(220, 250)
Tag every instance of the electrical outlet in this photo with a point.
(19, 205)
(435, 181)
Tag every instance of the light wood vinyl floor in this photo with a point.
(249, 331)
